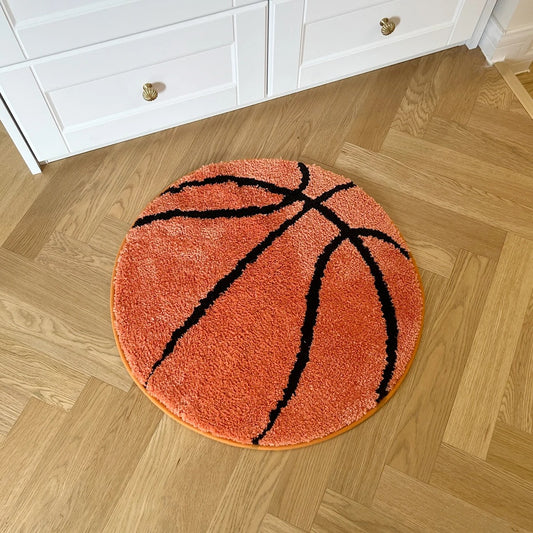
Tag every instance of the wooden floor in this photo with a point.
(526, 79)
(444, 146)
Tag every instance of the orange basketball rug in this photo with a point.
(266, 303)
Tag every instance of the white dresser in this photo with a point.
(73, 73)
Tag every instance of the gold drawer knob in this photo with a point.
(149, 93)
(387, 26)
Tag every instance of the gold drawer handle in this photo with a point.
(149, 93)
(387, 26)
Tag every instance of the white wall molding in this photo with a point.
(515, 47)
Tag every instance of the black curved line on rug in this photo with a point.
(306, 338)
(292, 196)
(311, 312)
(225, 282)
(346, 232)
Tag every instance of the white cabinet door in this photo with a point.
(94, 97)
(313, 41)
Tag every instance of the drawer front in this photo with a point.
(358, 28)
(313, 41)
(198, 68)
(46, 27)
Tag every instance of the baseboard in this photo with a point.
(515, 47)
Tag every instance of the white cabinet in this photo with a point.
(45, 27)
(314, 41)
(72, 71)
(90, 97)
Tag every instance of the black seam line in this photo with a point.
(243, 181)
(389, 314)
(307, 332)
(224, 283)
(217, 213)
(290, 198)
(225, 178)
(359, 232)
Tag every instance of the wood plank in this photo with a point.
(179, 480)
(481, 145)
(28, 282)
(422, 95)
(484, 486)
(50, 492)
(512, 450)
(494, 92)
(462, 83)
(338, 514)
(517, 404)
(521, 92)
(80, 346)
(247, 497)
(13, 403)
(273, 524)
(447, 338)
(38, 425)
(302, 483)
(419, 211)
(442, 191)
(526, 79)
(27, 371)
(151, 171)
(432, 158)
(509, 126)
(72, 258)
(426, 508)
(18, 188)
(330, 116)
(364, 450)
(119, 449)
(480, 393)
(377, 106)
(67, 179)
(140, 157)
(109, 235)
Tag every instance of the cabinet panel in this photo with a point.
(105, 98)
(285, 34)
(358, 28)
(371, 58)
(10, 51)
(331, 40)
(46, 27)
(120, 128)
(28, 106)
(199, 68)
(180, 40)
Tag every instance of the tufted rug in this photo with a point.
(266, 303)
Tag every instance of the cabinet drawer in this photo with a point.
(355, 28)
(46, 27)
(313, 41)
(199, 68)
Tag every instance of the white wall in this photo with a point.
(509, 34)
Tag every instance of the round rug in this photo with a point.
(266, 303)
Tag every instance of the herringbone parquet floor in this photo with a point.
(443, 145)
